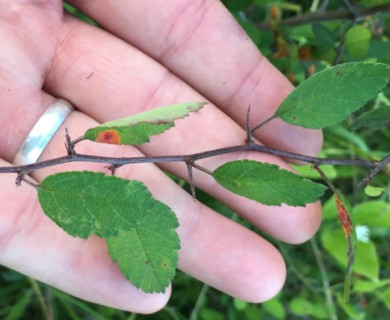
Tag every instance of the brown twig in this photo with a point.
(114, 162)
(319, 16)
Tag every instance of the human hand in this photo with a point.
(171, 52)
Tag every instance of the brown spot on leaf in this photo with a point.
(110, 136)
(344, 217)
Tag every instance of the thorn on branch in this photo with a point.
(189, 164)
(113, 168)
(377, 166)
(249, 138)
(69, 145)
(21, 177)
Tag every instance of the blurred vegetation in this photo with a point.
(300, 38)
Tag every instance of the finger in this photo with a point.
(32, 244)
(202, 43)
(214, 249)
(124, 81)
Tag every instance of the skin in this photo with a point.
(153, 53)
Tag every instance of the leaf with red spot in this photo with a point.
(138, 128)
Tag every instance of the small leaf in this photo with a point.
(357, 41)
(372, 191)
(301, 306)
(275, 307)
(137, 129)
(140, 230)
(374, 120)
(267, 183)
(331, 95)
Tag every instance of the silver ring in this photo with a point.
(43, 131)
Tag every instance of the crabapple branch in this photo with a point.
(190, 159)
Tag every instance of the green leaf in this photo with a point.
(331, 95)
(372, 191)
(324, 36)
(366, 258)
(386, 298)
(374, 120)
(275, 308)
(140, 230)
(343, 135)
(368, 286)
(85, 203)
(357, 41)
(267, 183)
(147, 254)
(308, 172)
(137, 129)
(300, 306)
(239, 304)
(372, 213)
(19, 308)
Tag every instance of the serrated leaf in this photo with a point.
(357, 41)
(145, 254)
(331, 95)
(85, 203)
(267, 183)
(139, 128)
(374, 120)
(140, 229)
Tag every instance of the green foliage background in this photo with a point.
(316, 269)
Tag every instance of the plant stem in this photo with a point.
(330, 15)
(199, 302)
(23, 170)
(325, 279)
(274, 116)
(41, 300)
